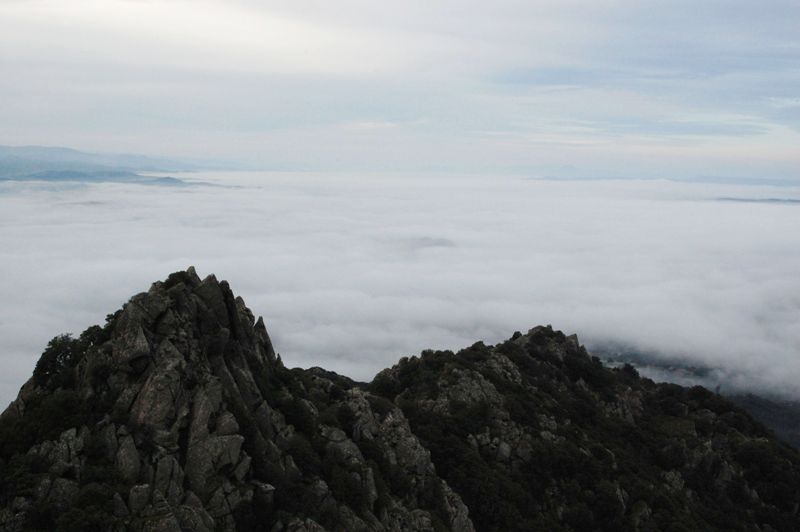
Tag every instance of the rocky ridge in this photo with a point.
(178, 415)
(561, 442)
(187, 420)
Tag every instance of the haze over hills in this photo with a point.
(779, 412)
(40, 157)
(59, 164)
(178, 414)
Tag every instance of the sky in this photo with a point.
(608, 88)
(353, 271)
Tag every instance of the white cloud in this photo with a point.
(353, 271)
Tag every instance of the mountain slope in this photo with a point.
(535, 434)
(178, 415)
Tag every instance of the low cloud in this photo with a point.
(353, 271)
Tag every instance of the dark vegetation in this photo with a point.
(532, 434)
(58, 409)
(590, 467)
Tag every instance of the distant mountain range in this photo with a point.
(56, 164)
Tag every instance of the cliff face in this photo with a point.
(178, 415)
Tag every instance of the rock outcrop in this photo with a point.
(178, 415)
(185, 419)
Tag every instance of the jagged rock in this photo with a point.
(226, 425)
(342, 448)
(120, 508)
(211, 293)
(139, 497)
(169, 479)
(242, 468)
(192, 516)
(127, 460)
(179, 415)
(303, 525)
(503, 451)
(193, 519)
(223, 501)
(62, 493)
(206, 457)
(163, 522)
(404, 449)
(159, 397)
(132, 347)
(365, 424)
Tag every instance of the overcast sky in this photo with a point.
(563, 88)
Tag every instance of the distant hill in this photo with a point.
(38, 163)
(29, 158)
(97, 176)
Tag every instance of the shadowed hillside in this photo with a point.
(178, 415)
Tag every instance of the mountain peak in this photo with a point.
(178, 415)
(194, 423)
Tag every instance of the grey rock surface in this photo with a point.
(205, 429)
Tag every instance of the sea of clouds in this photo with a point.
(352, 272)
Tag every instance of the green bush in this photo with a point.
(92, 511)
(46, 417)
(53, 370)
(22, 474)
(380, 405)
(347, 488)
(304, 456)
(298, 414)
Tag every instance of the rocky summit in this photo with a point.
(177, 415)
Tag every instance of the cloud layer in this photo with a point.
(352, 271)
(565, 88)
